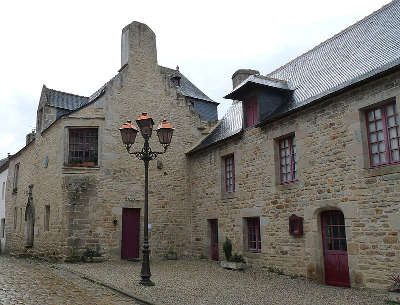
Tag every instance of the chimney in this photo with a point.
(30, 137)
(138, 45)
(241, 74)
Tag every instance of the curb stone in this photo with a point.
(141, 301)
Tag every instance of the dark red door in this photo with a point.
(130, 233)
(335, 249)
(214, 239)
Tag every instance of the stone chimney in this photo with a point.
(30, 137)
(241, 74)
(138, 46)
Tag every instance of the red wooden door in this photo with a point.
(335, 249)
(130, 233)
(214, 239)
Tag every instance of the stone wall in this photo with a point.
(334, 173)
(86, 203)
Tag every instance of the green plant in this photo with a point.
(237, 258)
(90, 253)
(395, 279)
(227, 247)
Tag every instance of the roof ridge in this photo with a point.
(334, 36)
(66, 93)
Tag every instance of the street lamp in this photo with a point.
(128, 135)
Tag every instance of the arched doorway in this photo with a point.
(335, 248)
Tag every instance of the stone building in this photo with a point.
(74, 187)
(3, 181)
(302, 173)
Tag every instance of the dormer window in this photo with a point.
(176, 79)
(250, 108)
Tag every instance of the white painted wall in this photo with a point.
(3, 183)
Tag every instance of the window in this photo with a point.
(15, 182)
(3, 227)
(15, 218)
(250, 108)
(253, 234)
(229, 174)
(83, 148)
(287, 159)
(46, 218)
(383, 135)
(3, 190)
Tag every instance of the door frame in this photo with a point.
(324, 249)
(139, 233)
(213, 224)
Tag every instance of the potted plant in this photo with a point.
(92, 256)
(233, 262)
(171, 255)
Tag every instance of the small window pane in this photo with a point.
(395, 155)
(374, 148)
(390, 110)
(383, 157)
(372, 127)
(375, 159)
(393, 133)
(394, 143)
(391, 121)
(370, 116)
(378, 114)
(379, 125)
(373, 137)
(381, 136)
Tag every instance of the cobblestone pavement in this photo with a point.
(29, 282)
(195, 282)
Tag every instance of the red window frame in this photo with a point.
(383, 133)
(253, 235)
(287, 159)
(229, 174)
(251, 111)
(83, 146)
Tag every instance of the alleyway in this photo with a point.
(29, 282)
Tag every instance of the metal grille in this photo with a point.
(334, 231)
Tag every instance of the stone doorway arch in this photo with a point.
(314, 244)
(29, 220)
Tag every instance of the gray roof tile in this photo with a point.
(363, 50)
(186, 88)
(65, 100)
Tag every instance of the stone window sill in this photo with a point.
(383, 170)
(252, 254)
(288, 186)
(228, 195)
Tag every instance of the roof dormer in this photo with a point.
(261, 97)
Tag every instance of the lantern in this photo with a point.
(164, 133)
(128, 133)
(145, 123)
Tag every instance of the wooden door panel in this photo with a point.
(130, 233)
(335, 249)
(214, 239)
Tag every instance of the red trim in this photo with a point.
(253, 230)
(291, 162)
(230, 174)
(386, 135)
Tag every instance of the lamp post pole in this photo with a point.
(128, 134)
(145, 273)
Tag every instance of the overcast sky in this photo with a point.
(74, 46)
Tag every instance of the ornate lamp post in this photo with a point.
(128, 135)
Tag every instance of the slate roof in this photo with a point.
(359, 52)
(261, 81)
(186, 88)
(230, 125)
(3, 162)
(65, 100)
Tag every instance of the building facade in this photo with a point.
(3, 181)
(302, 173)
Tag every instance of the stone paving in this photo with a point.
(30, 282)
(195, 282)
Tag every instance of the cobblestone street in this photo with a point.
(29, 282)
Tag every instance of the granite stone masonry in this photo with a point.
(301, 174)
